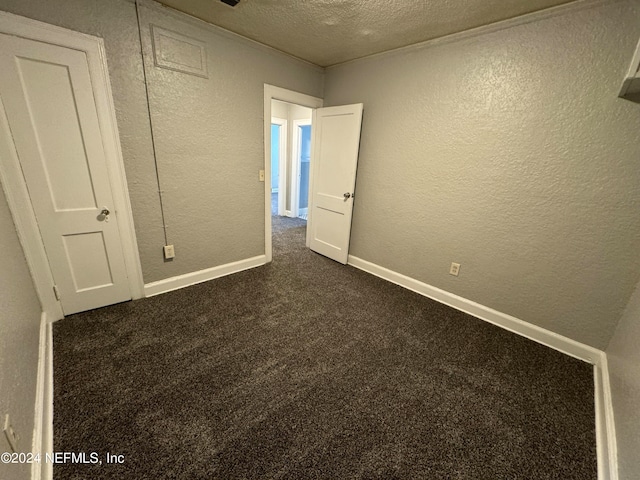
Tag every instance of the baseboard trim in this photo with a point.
(43, 415)
(186, 280)
(513, 324)
(605, 425)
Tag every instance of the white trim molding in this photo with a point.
(296, 165)
(42, 442)
(513, 324)
(11, 173)
(283, 190)
(605, 426)
(24, 219)
(276, 93)
(188, 279)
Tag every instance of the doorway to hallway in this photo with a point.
(290, 136)
(282, 207)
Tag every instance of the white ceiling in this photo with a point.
(327, 32)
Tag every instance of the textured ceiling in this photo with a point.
(327, 32)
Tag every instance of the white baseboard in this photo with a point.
(181, 281)
(513, 324)
(605, 426)
(43, 416)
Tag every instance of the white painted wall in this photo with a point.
(19, 335)
(510, 153)
(208, 132)
(623, 356)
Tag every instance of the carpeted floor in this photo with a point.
(305, 368)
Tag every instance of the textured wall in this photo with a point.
(209, 144)
(511, 154)
(19, 335)
(624, 371)
(115, 22)
(208, 132)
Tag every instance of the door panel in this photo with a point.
(88, 260)
(48, 98)
(336, 143)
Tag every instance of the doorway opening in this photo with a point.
(290, 159)
(288, 118)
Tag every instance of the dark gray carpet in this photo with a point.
(308, 369)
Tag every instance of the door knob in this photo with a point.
(347, 195)
(104, 214)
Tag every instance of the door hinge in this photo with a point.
(56, 292)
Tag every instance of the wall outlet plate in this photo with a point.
(455, 269)
(10, 434)
(169, 252)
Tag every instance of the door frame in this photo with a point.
(295, 166)
(282, 163)
(14, 184)
(272, 92)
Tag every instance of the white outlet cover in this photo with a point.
(455, 269)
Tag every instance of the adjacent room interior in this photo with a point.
(487, 282)
(290, 159)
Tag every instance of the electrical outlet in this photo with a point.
(10, 433)
(455, 269)
(169, 252)
(261, 174)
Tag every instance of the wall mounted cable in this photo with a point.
(153, 141)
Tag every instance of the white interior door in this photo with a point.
(336, 141)
(50, 108)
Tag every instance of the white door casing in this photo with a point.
(282, 164)
(276, 93)
(335, 146)
(296, 165)
(59, 130)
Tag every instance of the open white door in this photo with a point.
(48, 99)
(336, 141)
